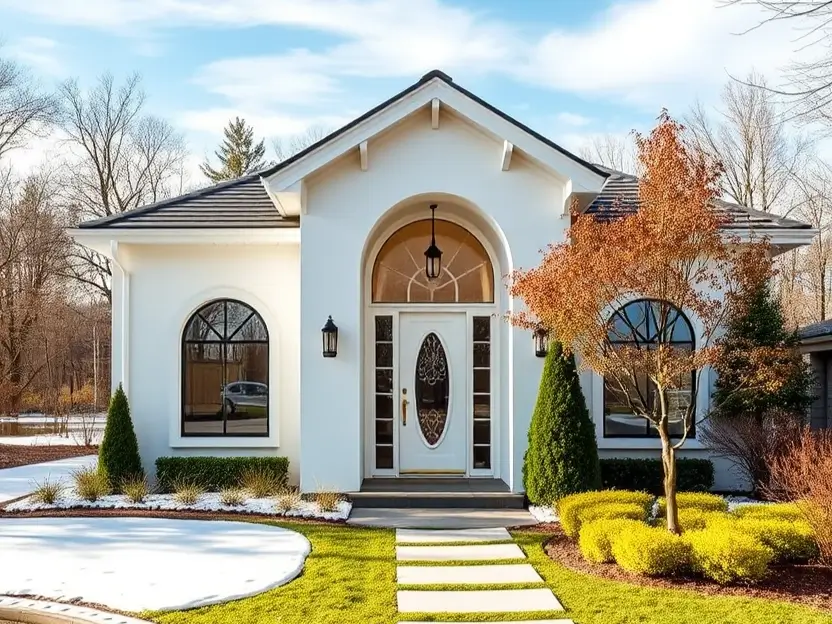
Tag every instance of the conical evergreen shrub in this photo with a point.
(118, 455)
(562, 457)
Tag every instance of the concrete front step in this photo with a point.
(438, 536)
(440, 518)
(483, 552)
(467, 575)
(437, 500)
(486, 601)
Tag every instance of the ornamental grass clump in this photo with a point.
(135, 488)
(726, 554)
(788, 541)
(47, 491)
(328, 500)
(233, 496)
(287, 500)
(571, 509)
(596, 537)
(187, 492)
(260, 482)
(91, 484)
(651, 551)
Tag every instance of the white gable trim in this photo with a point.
(583, 178)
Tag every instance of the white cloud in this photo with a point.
(658, 52)
(40, 53)
(212, 121)
(573, 119)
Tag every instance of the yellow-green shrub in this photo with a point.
(651, 551)
(725, 554)
(696, 500)
(596, 537)
(789, 541)
(571, 508)
(776, 511)
(692, 519)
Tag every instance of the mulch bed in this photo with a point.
(12, 455)
(809, 585)
(152, 513)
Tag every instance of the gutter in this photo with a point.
(118, 260)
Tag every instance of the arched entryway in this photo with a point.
(432, 345)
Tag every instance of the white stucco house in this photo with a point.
(220, 296)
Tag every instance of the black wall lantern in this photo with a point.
(433, 255)
(329, 334)
(541, 341)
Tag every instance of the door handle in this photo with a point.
(404, 407)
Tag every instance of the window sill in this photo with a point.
(691, 444)
(223, 442)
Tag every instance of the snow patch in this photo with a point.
(543, 513)
(166, 502)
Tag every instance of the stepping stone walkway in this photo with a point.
(454, 549)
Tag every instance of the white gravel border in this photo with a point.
(166, 502)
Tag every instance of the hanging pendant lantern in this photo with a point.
(433, 255)
(541, 342)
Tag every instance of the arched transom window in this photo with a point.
(399, 272)
(225, 371)
(645, 324)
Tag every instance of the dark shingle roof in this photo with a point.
(240, 203)
(816, 330)
(620, 194)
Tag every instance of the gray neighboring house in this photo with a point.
(816, 342)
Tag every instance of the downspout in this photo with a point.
(118, 260)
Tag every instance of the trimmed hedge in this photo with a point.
(651, 551)
(726, 554)
(646, 475)
(789, 541)
(572, 510)
(777, 511)
(701, 501)
(216, 473)
(597, 537)
(692, 519)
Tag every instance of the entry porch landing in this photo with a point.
(436, 492)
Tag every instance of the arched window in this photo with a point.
(399, 272)
(225, 372)
(646, 323)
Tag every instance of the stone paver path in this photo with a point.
(417, 549)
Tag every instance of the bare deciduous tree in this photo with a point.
(287, 147)
(748, 135)
(119, 159)
(611, 151)
(34, 247)
(26, 111)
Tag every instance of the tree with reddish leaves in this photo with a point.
(674, 253)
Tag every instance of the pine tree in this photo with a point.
(562, 457)
(238, 154)
(762, 325)
(118, 455)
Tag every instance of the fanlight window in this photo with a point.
(399, 272)
(225, 372)
(645, 324)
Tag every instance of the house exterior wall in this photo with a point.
(343, 204)
(166, 285)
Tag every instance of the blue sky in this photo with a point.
(571, 69)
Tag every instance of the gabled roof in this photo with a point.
(443, 77)
(239, 203)
(620, 194)
(816, 330)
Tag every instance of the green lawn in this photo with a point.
(350, 579)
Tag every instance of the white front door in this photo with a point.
(433, 383)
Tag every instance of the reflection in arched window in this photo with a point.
(225, 372)
(399, 271)
(646, 324)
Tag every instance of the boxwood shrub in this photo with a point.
(573, 510)
(651, 551)
(696, 500)
(215, 473)
(726, 554)
(789, 541)
(646, 475)
(596, 537)
(776, 511)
